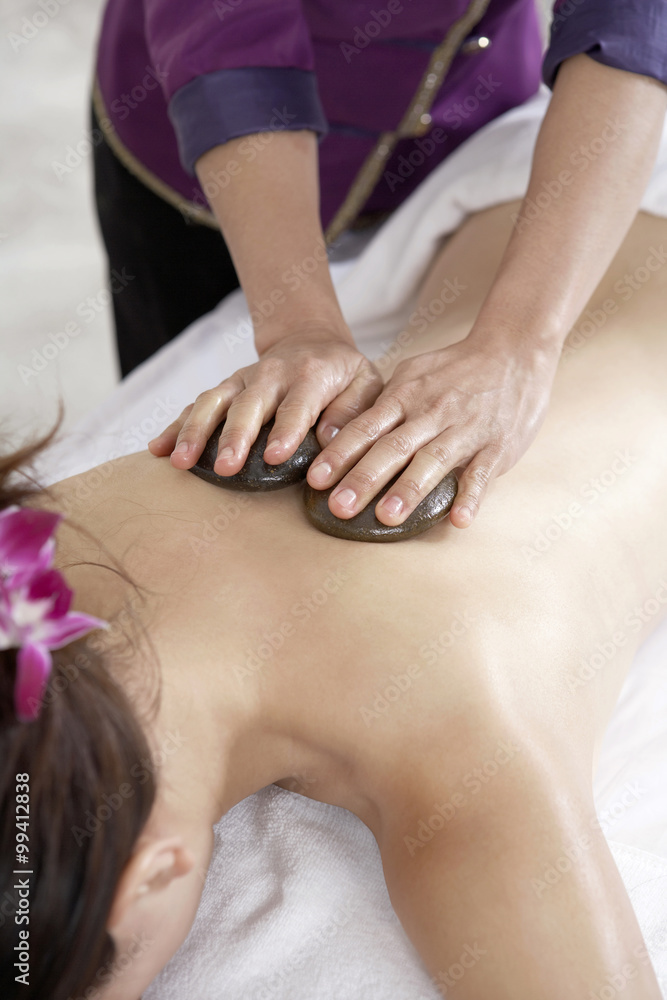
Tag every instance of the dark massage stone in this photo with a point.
(257, 476)
(365, 527)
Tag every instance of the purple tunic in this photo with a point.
(178, 77)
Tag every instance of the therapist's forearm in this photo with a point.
(593, 158)
(268, 211)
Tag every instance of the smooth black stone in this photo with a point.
(365, 527)
(257, 476)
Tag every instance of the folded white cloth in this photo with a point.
(295, 904)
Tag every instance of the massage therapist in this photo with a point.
(283, 123)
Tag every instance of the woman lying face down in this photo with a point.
(246, 648)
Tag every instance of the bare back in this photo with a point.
(368, 651)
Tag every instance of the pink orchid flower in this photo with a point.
(34, 603)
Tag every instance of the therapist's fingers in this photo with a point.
(427, 469)
(473, 484)
(352, 443)
(294, 380)
(294, 417)
(361, 393)
(245, 417)
(208, 410)
(308, 398)
(165, 442)
(429, 462)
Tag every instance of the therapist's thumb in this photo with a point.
(361, 393)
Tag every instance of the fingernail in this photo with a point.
(329, 433)
(464, 514)
(320, 473)
(225, 454)
(346, 498)
(276, 444)
(394, 505)
(181, 448)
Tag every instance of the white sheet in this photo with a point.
(295, 904)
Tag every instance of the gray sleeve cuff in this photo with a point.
(228, 103)
(630, 36)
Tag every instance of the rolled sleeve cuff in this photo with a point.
(219, 106)
(624, 35)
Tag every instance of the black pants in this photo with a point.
(164, 272)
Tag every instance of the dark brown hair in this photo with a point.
(89, 801)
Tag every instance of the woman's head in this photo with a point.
(82, 830)
(72, 789)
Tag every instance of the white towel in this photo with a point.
(295, 904)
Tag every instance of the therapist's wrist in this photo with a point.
(532, 345)
(517, 315)
(322, 325)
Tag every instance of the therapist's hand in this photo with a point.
(296, 378)
(477, 403)
(268, 208)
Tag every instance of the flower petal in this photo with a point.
(50, 583)
(23, 532)
(42, 562)
(57, 632)
(33, 666)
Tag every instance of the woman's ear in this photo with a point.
(152, 868)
